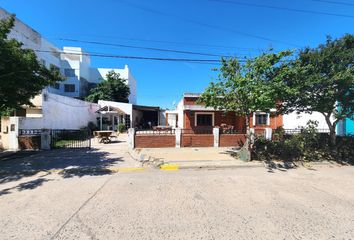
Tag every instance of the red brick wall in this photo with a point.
(153, 141)
(232, 140)
(197, 140)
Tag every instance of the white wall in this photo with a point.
(180, 108)
(32, 39)
(294, 120)
(60, 112)
(132, 86)
(97, 74)
(162, 118)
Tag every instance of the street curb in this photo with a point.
(176, 167)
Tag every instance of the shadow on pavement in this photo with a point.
(68, 163)
(26, 185)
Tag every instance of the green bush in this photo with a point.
(121, 127)
(308, 145)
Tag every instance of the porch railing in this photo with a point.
(300, 130)
(156, 132)
(30, 132)
(230, 131)
(198, 131)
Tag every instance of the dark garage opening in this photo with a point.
(146, 117)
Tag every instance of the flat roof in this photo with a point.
(192, 94)
(146, 108)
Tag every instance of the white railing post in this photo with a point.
(14, 133)
(178, 133)
(216, 133)
(45, 139)
(252, 132)
(131, 135)
(268, 134)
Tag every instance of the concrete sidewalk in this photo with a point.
(194, 158)
(100, 159)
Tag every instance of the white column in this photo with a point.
(178, 133)
(131, 134)
(268, 119)
(268, 133)
(216, 133)
(13, 133)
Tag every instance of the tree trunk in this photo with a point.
(332, 130)
(245, 153)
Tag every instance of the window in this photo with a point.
(69, 72)
(204, 119)
(261, 118)
(69, 87)
(127, 121)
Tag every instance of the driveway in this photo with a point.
(241, 203)
(100, 157)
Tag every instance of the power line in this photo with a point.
(167, 42)
(220, 28)
(335, 2)
(283, 8)
(146, 48)
(104, 55)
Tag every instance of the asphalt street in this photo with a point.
(247, 203)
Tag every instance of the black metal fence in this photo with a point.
(30, 132)
(300, 130)
(70, 139)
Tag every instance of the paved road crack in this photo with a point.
(81, 207)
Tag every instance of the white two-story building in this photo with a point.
(73, 63)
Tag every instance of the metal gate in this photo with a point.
(70, 139)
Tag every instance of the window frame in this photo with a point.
(204, 113)
(257, 116)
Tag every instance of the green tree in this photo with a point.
(245, 87)
(321, 79)
(113, 88)
(21, 75)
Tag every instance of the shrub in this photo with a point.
(121, 127)
(308, 145)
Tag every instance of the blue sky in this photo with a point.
(216, 27)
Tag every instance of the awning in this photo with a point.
(145, 108)
(110, 109)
